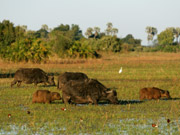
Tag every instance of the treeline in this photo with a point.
(166, 41)
(17, 43)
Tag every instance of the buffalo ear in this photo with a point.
(167, 91)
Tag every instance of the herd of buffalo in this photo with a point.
(76, 88)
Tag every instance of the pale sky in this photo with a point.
(129, 16)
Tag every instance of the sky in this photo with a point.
(128, 16)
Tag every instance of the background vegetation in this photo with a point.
(17, 43)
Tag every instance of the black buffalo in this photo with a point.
(67, 76)
(31, 75)
(89, 91)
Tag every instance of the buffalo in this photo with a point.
(67, 76)
(89, 91)
(32, 75)
(153, 93)
(45, 96)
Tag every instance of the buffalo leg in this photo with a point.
(13, 82)
(48, 102)
(95, 101)
(19, 84)
(65, 98)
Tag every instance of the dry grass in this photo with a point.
(107, 59)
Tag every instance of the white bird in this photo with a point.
(120, 71)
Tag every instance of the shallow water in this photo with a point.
(124, 127)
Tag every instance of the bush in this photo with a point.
(166, 37)
(34, 50)
(160, 48)
(110, 43)
(106, 43)
(171, 48)
(81, 51)
(127, 47)
(60, 44)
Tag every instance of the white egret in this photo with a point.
(120, 71)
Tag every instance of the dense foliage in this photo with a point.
(19, 44)
(166, 37)
(82, 51)
(35, 50)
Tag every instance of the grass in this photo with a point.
(129, 117)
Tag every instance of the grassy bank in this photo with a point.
(129, 117)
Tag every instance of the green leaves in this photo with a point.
(16, 45)
(81, 51)
(110, 30)
(34, 50)
(166, 37)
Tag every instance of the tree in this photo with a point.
(45, 27)
(62, 27)
(73, 32)
(7, 33)
(59, 43)
(166, 37)
(76, 32)
(114, 31)
(97, 31)
(151, 31)
(109, 28)
(109, 43)
(20, 32)
(129, 39)
(24, 27)
(42, 33)
(177, 34)
(89, 32)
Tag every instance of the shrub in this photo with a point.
(81, 51)
(106, 43)
(60, 44)
(170, 48)
(34, 50)
(166, 37)
(127, 47)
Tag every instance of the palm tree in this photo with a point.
(177, 34)
(175, 31)
(24, 27)
(109, 28)
(114, 31)
(109, 25)
(89, 32)
(151, 31)
(45, 27)
(97, 31)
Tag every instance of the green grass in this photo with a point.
(129, 117)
